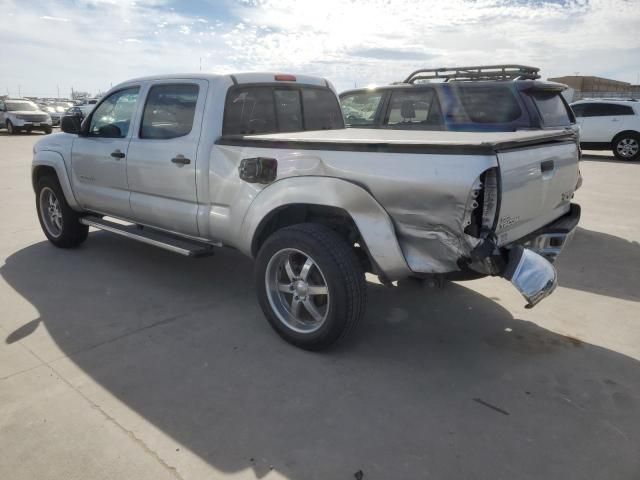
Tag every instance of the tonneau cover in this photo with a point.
(389, 139)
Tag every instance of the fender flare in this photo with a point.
(373, 222)
(48, 158)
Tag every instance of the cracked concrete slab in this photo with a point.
(49, 431)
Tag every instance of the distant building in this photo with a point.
(597, 87)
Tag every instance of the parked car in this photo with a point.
(18, 114)
(262, 163)
(482, 98)
(79, 111)
(55, 110)
(610, 124)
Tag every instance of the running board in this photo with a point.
(150, 236)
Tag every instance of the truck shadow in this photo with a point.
(603, 264)
(437, 381)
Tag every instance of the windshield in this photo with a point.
(13, 106)
(360, 108)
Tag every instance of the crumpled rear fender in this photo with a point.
(47, 158)
(373, 222)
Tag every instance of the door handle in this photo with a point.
(546, 166)
(117, 154)
(615, 119)
(181, 160)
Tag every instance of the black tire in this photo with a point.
(625, 152)
(11, 129)
(338, 267)
(47, 130)
(72, 233)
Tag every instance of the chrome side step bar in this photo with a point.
(188, 248)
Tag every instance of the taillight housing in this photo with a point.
(284, 77)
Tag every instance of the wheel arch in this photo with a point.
(339, 204)
(51, 163)
(621, 134)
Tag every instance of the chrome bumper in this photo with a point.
(530, 267)
(533, 275)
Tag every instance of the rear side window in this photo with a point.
(360, 109)
(257, 109)
(486, 104)
(604, 109)
(169, 111)
(414, 109)
(321, 110)
(552, 109)
(578, 110)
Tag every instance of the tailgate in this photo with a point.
(537, 184)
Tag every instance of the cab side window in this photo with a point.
(417, 109)
(169, 111)
(113, 116)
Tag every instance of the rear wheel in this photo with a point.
(310, 284)
(47, 130)
(627, 146)
(59, 222)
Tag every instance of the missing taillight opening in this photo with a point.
(482, 205)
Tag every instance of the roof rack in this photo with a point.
(482, 72)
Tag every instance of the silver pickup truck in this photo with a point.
(262, 163)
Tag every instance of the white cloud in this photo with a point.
(365, 41)
(55, 19)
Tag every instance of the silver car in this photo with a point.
(17, 115)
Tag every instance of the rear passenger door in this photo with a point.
(162, 157)
(600, 121)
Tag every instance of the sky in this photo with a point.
(90, 45)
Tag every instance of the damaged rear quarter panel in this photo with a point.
(426, 196)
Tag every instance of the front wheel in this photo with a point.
(310, 285)
(59, 222)
(627, 147)
(11, 130)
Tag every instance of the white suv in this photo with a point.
(607, 124)
(20, 114)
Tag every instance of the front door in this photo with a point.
(99, 159)
(162, 156)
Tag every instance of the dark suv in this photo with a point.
(488, 98)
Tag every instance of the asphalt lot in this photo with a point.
(122, 361)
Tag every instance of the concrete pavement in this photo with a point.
(122, 361)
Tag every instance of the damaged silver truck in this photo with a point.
(262, 163)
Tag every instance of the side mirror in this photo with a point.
(70, 124)
(110, 131)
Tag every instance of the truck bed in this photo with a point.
(427, 192)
